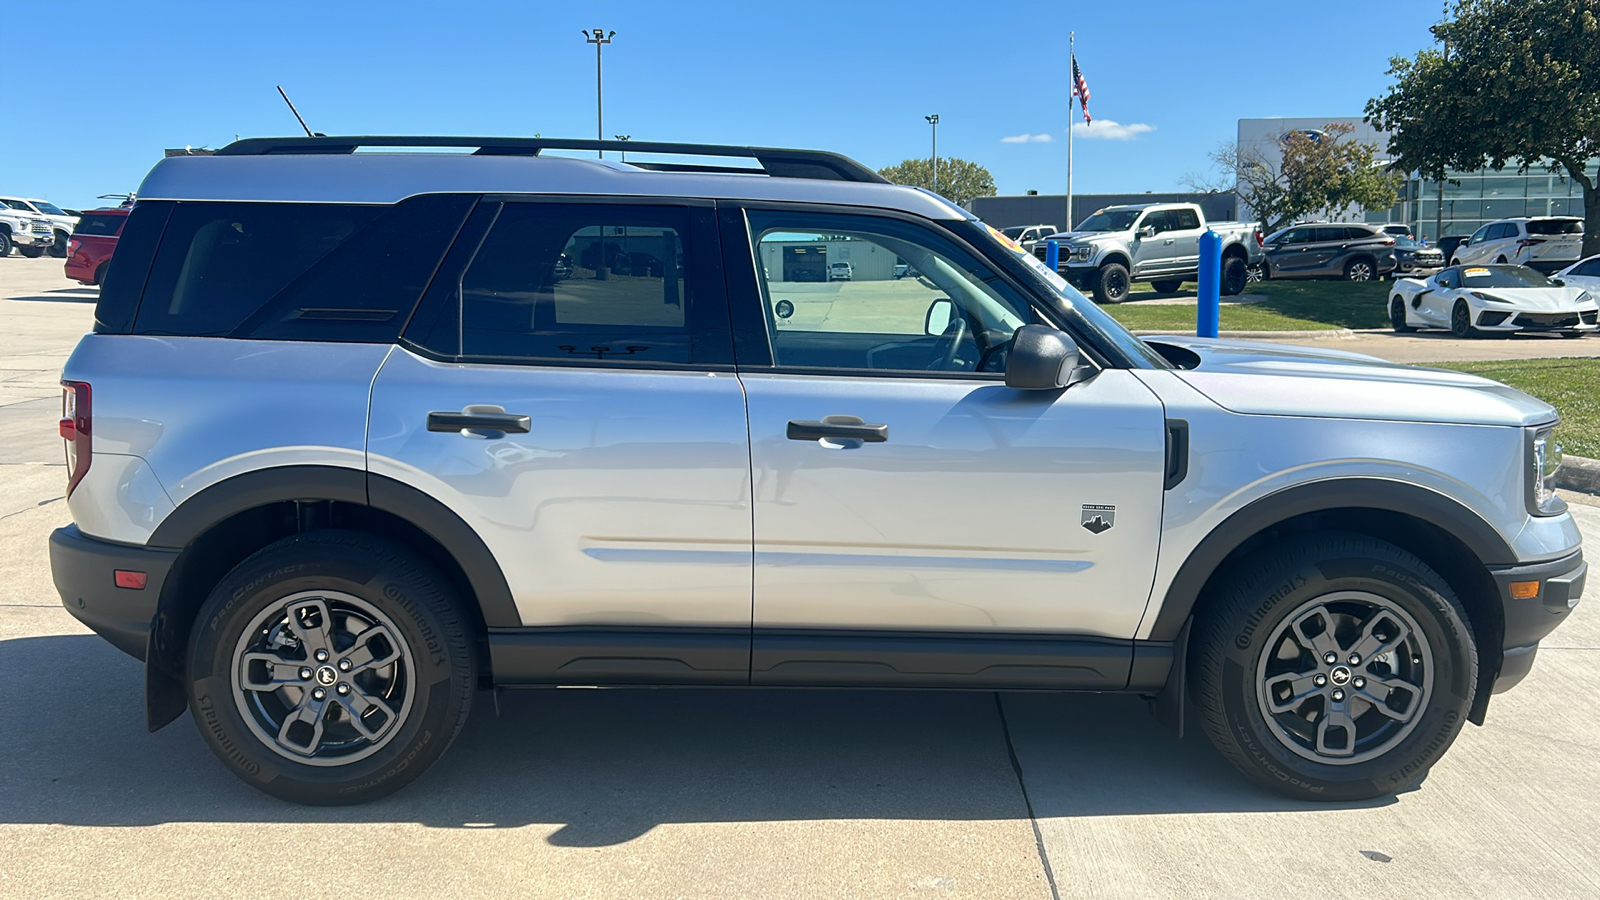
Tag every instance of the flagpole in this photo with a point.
(1071, 60)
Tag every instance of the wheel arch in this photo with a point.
(1118, 257)
(1452, 539)
(220, 526)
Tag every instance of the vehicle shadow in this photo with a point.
(62, 295)
(608, 766)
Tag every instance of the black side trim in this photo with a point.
(1344, 493)
(597, 655)
(819, 658)
(458, 539)
(82, 568)
(1177, 453)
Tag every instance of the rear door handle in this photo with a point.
(835, 428)
(481, 421)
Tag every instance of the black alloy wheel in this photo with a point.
(1397, 316)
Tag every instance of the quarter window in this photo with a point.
(915, 301)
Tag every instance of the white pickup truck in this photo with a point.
(1154, 242)
(30, 234)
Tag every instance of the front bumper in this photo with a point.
(1529, 618)
(84, 570)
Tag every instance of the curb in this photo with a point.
(1342, 334)
(1580, 474)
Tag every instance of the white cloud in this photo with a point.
(1026, 138)
(1107, 130)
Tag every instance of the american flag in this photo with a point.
(1080, 90)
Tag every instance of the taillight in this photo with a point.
(1261, 239)
(73, 245)
(76, 430)
(1529, 242)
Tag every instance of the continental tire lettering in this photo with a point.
(230, 750)
(1253, 622)
(423, 739)
(249, 588)
(429, 639)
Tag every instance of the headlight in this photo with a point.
(1583, 298)
(1080, 254)
(1544, 460)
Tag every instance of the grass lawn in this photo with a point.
(1290, 306)
(1572, 386)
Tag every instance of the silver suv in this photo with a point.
(359, 434)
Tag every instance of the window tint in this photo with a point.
(1450, 279)
(17, 204)
(1555, 226)
(940, 310)
(1479, 236)
(1325, 234)
(296, 270)
(1502, 231)
(587, 284)
(1160, 220)
(1590, 268)
(128, 269)
(1357, 233)
(100, 223)
(1185, 220)
(1297, 236)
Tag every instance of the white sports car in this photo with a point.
(1472, 300)
(1584, 273)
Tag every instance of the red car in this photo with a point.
(93, 241)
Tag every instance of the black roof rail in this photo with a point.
(776, 162)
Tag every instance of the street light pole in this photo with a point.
(934, 121)
(599, 39)
(623, 137)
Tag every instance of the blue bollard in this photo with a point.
(1210, 282)
(1052, 255)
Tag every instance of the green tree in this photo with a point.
(1313, 174)
(959, 180)
(1517, 82)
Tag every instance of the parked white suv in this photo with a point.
(1546, 243)
(61, 222)
(356, 435)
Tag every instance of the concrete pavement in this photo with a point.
(732, 793)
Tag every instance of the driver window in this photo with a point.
(1448, 279)
(860, 293)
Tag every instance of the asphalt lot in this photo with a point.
(733, 793)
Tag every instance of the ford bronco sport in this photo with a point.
(359, 434)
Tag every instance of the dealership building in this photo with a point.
(1461, 204)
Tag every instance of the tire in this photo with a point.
(5, 245)
(1258, 655)
(1397, 316)
(1235, 275)
(251, 671)
(31, 252)
(1360, 269)
(1500, 261)
(1573, 334)
(1171, 286)
(1111, 283)
(1461, 321)
(59, 248)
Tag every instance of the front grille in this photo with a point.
(1494, 317)
(1589, 317)
(1039, 250)
(1547, 320)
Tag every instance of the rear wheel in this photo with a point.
(1461, 321)
(1397, 315)
(1235, 275)
(330, 668)
(1170, 286)
(1360, 269)
(59, 248)
(1334, 667)
(1111, 283)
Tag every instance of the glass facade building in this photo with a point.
(1473, 199)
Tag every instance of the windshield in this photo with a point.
(1502, 277)
(1110, 220)
(17, 204)
(1408, 243)
(1014, 231)
(1555, 226)
(49, 209)
(1068, 296)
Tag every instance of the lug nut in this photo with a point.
(319, 693)
(344, 665)
(1338, 695)
(1320, 680)
(305, 673)
(343, 689)
(1359, 682)
(1330, 657)
(322, 656)
(1355, 659)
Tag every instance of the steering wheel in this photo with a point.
(955, 333)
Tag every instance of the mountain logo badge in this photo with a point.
(1098, 519)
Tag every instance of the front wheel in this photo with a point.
(5, 245)
(1461, 320)
(1111, 283)
(331, 667)
(1334, 666)
(31, 252)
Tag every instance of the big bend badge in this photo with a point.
(1098, 518)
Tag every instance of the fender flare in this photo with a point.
(231, 496)
(1466, 526)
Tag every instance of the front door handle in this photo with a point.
(837, 428)
(509, 423)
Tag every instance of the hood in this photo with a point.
(1258, 378)
(1551, 299)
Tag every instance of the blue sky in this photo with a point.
(134, 78)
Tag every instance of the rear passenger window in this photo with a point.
(1328, 234)
(296, 271)
(106, 224)
(1185, 219)
(584, 285)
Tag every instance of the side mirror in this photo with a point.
(1559, 282)
(1043, 359)
(940, 312)
(1147, 231)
